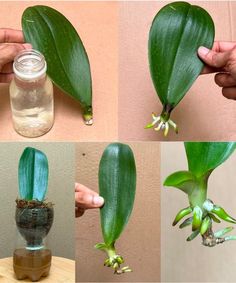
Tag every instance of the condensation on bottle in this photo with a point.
(31, 95)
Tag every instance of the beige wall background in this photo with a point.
(140, 241)
(96, 23)
(184, 261)
(60, 156)
(203, 114)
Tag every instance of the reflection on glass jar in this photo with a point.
(31, 95)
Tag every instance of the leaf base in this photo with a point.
(88, 115)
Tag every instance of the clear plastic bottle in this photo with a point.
(31, 95)
(32, 256)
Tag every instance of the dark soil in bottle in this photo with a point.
(34, 220)
(31, 264)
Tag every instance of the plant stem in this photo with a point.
(199, 193)
(88, 115)
(165, 114)
(111, 251)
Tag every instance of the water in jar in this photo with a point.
(32, 107)
(31, 96)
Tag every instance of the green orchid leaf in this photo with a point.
(177, 31)
(183, 180)
(203, 157)
(68, 66)
(33, 174)
(117, 183)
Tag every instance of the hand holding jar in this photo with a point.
(11, 43)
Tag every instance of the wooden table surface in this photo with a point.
(62, 271)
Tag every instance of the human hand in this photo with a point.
(221, 60)
(11, 43)
(86, 199)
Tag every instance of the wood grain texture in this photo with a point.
(62, 271)
(140, 241)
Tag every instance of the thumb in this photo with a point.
(213, 58)
(86, 200)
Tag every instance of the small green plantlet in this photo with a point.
(54, 36)
(33, 175)
(177, 31)
(203, 158)
(117, 184)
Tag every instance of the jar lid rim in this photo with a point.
(34, 68)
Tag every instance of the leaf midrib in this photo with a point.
(114, 223)
(33, 175)
(176, 53)
(44, 18)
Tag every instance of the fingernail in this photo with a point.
(98, 201)
(203, 51)
(27, 46)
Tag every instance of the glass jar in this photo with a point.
(31, 95)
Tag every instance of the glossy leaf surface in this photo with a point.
(175, 35)
(33, 174)
(183, 180)
(55, 37)
(117, 184)
(203, 157)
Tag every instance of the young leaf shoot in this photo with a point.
(203, 158)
